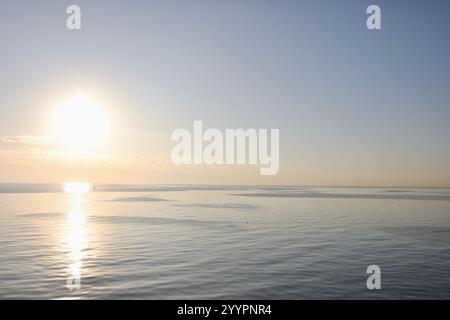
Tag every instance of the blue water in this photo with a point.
(214, 242)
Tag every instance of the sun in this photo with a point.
(81, 122)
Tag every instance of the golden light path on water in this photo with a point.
(76, 235)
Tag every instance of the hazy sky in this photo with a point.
(354, 106)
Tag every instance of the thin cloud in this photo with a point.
(25, 139)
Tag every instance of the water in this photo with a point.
(230, 242)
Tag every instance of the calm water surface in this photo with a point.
(203, 242)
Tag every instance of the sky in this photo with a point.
(355, 107)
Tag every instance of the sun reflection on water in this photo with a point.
(75, 237)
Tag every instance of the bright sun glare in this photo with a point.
(77, 187)
(81, 122)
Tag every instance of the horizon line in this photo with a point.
(229, 184)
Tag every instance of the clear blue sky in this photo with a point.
(353, 106)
